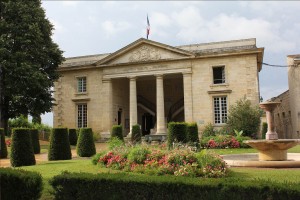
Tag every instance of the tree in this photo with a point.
(28, 60)
(244, 117)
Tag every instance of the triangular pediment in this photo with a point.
(144, 50)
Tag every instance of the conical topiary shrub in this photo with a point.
(117, 131)
(73, 136)
(34, 133)
(192, 133)
(85, 144)
(59, 148)
(3, 148)
(21, 148)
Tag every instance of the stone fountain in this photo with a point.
(272, 151)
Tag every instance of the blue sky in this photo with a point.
(93, 27)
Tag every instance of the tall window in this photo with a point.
(81, 84)
(219, 74)
(220, 110)
(81, 115)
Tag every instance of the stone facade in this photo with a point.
(150, 84)
(282, 116)
(294, 92)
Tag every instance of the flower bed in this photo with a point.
(223, 141)
(155, 161)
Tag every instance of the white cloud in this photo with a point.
(70, 3)
(112, 27)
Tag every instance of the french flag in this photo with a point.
(148, 27)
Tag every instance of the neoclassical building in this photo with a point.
(150, 84)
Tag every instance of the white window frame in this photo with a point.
(82, 115)
(223, 80)
(220, 106)
(81, 84)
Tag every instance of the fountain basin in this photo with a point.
(251, 160)
(272, 150)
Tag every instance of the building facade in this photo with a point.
(150, 84)
(293, 62)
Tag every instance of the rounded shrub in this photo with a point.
(3, 148)
(117, 131)
(138, 154)
(85, 145)
(136, 135)
(59, 148)
(73, 136)
(34, 133)
(192, 132)
(21, 148)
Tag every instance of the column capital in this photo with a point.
(159, 75)
(106, 80)
(132, 77)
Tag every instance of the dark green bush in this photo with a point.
(3, 148)
(34, 133)
(244, 116)
(136, 135)
(59, 148)
(21, 148)
(192, 132)
(103, 186)
(20, 184)
(117, 131)
(176, 132)
(264, 130)
(86, 145)
(73, 136)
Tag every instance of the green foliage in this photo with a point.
(117, 131)
(19, 122)
(85, 145)
(34, 133)
(244, 116)
(21, 148)
(176, 132)
(115, 142)
(59, 147)
(136, 134)
(138, 154)
(208, 130)
(73, 136)
(86, 186)
(20, 184)
(29, 59)
(264, 130)
(36, 119)
(96, 157)
(3, 148)
(192, 132)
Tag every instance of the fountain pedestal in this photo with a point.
(272, 149)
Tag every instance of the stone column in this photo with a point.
(107, 116)
(160, 106)
(188, 97)
(132, 103)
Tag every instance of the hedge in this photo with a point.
(34, 133)
(73, 136)
(264, 130)
(21, 148)
(103, 186)
(20, 184)
(192, 133)
(59, 148)
(176, 132)
(136, 135)
(3, 148)
(117, 131)
(86, 145)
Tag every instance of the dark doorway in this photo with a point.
(120, 116)
(147, 123)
